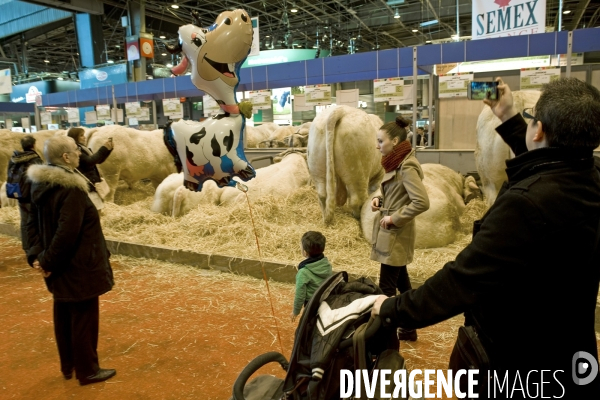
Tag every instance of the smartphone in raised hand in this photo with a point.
(482, 90)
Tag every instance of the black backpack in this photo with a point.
(16, 187)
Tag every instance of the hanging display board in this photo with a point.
(103, 112)
(317, 95)
(454, 85)
(209, 106)
(144, 114)
(133, 109)
(535, 78)
(347, 97)
(261, 99)
(45, 117)
(73, 114)
(172, 108)
(300, 103)
(407, 96)
(90, 117)
(388, 89)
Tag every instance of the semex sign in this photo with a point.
(500, 18)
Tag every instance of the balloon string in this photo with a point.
(262, 265)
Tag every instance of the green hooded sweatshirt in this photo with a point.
(308, 279)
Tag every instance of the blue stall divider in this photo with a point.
(495, 48)
(585, 40)
(453, 52)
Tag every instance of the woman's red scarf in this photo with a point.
(391, 160)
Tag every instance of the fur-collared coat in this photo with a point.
(65, 235)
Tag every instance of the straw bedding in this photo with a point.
(279, 225)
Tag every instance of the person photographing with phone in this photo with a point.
(528, 281)
(89, 160)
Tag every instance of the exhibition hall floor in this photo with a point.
(170, 331)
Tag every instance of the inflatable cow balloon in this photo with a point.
(213, 149)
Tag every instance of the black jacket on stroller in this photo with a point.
(322, 344)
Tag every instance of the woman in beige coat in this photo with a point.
(403, 198)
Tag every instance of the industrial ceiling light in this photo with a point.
(428, 41)
(174, 5)
(397, 14)
(110, 61)
(415, 30)
(162, 37)
(567, 12)
(163, 54)
(47, 61)
(294, 9)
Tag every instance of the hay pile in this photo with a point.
(280, 223)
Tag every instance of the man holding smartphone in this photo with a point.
(528, 281)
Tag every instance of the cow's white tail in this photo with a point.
(330, 182)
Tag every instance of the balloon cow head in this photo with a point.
(213, 148)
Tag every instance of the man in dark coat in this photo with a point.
(528, 282)
(68, 247)
(22, 161)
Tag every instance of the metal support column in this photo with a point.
(137, 25)
(414, 94)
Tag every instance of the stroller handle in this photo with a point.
(252, 367)
(371, 330)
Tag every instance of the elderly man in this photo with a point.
(68, 247)
(528, 282)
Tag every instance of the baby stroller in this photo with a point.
(333, 334)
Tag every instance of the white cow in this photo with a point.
(491, 152)
(256, 134)
(11, 141)
(438, 226)
(136, 155)
(343, 160)
(172, 198)
(280, 179)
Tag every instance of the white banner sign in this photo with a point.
(5, 81)
(209, 106)
(261, 99)
(73, 114)
(347, 97)
(90, 117)
(388, 89)
(45, 117)
(501, 18)
(255, 48)
(317, 95)
(454, 85)
(133, 109)
(103, 112)
(535, 78)
(172, 108)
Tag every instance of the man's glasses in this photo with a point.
(528, 113)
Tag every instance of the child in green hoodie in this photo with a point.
(312, 271)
